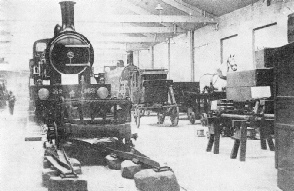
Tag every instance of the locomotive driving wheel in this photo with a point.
(174, 116)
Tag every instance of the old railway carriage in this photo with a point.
(61, 91)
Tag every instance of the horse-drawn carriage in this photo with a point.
(149, 90)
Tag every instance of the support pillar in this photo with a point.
(168, 57)
(192, 52)
(152, 57)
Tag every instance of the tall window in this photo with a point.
(266, 37)
(228, 47)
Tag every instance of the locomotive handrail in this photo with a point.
(87, 64)
(77, 45)
(157, 106)
(109, 101)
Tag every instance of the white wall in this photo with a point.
(207, 43)
(180, 67)
(144, 60)
(161, 56)
(241, 22)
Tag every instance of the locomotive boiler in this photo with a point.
(61, 91)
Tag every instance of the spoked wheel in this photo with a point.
(134, 115)
(147, 112)
(204, 120)
(191, 115)
(192, 118)
(174, 117)
(160, 118)
(142, 112)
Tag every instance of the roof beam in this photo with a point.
(136, 9)
(188, 8)
(5, 33)
(140, 30)
(152, 19)
(128, 40)
(135, 19)
(138, 46)
(139, 10)
(115, 30)
(121, 46)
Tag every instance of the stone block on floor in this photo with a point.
(47, 173)
(46, 163)
(113, 162)
(76, 165)
(67, 184)
(74, 162)
(77, 170)
(129, 169)
(46, 144)
(149, 180)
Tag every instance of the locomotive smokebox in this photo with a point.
(67, 15)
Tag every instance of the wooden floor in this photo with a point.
(178, 147)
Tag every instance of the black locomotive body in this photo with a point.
(61, 91)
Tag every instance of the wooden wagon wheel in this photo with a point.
(191, 115)
(204, 120)
(160, 117)
(174, 117)
(192, 118)
(147, 112)
(142, 112)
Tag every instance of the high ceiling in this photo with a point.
(112, 25)
(219, 7)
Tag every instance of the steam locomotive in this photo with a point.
(61, 91)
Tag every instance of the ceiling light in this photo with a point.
(159, 7)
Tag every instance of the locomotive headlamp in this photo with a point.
(43, 94)
(102, 92)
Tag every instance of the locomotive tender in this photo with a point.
(61, 91)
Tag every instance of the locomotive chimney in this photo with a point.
(130, 59)
(67, 15)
